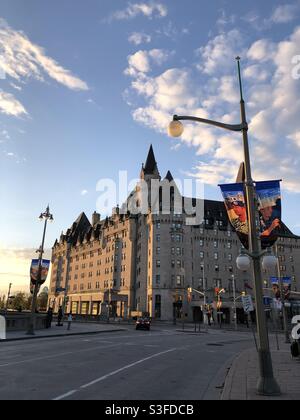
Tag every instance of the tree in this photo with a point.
(20, 302)
(2, 302)
(43, 300)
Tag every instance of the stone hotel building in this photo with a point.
(131, 263)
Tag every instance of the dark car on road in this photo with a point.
(143, 324)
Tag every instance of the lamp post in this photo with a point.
(267, 384)
(234, 302)
(46, 216)
(8, 298)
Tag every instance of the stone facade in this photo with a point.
(145, 263)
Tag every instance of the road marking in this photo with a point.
(58, 355)
(109, 375)
(69, 394)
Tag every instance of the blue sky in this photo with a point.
(90, 85)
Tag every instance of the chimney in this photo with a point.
(95, 218)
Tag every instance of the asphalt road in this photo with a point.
(132, 365)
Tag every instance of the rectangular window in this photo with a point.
(158, 263)
(157, 306)
(178, 281)
(158, 280)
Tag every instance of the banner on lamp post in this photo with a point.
(269, 206)
(34, 273)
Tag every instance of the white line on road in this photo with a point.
(63, 397)
(102, 378)
(58, 355)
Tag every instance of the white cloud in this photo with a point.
(217, 55)
(23, 59)
(273, 106)
(140, 62)
(285, 13)
(9, 105)
(149, 10)
(17, 87)
(256, 72)
(138, 38)
(296, 138)
(84, 193)
(262, 50)
(225, 19)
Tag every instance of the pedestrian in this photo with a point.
(49, 318)
(70, 320)
(59, 317)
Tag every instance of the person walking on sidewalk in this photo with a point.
(60, 317)
(49, 318)
(70, 320)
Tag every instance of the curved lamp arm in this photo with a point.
(230, 127)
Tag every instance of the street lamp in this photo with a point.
(269, 262)
(46, 217)
(243, 262)
(267, 384)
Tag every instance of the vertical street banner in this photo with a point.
(34, 273)
(269, 205)
(236, 206)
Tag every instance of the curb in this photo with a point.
(226, 394)
(60, 335)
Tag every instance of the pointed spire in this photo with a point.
(151, 164)
(169, 177)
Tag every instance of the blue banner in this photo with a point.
(269, 206)
(34, 271)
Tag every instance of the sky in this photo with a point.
(86, 87)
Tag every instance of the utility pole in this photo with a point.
(234, 300)
(8, 297)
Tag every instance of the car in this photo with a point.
(143, 324)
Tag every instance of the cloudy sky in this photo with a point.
(86, 87)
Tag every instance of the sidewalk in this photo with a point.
(76, 329)
(243, 375)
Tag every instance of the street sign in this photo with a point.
(60, 290)
(247, 304)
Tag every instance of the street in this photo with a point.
(165, 364)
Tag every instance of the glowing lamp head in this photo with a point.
(269, 262)
(243, 262)
(175, 129)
